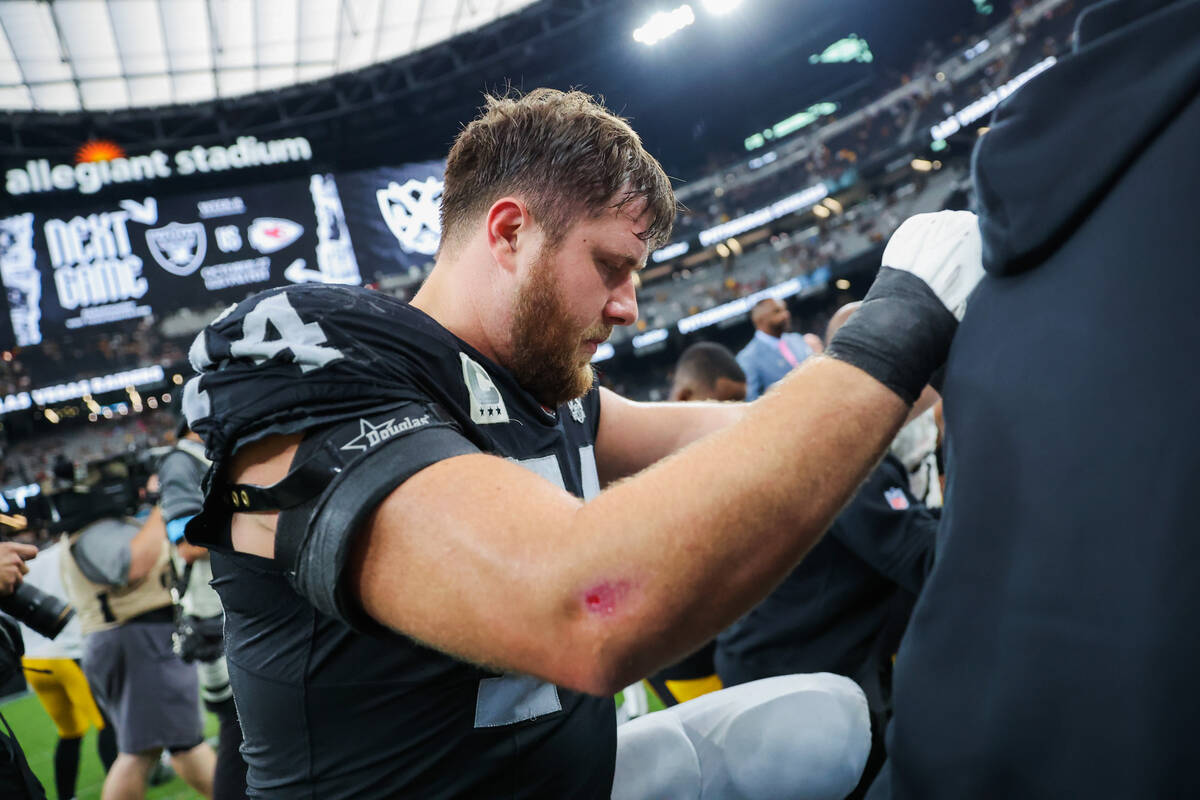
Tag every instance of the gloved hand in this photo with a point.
(944, 250)
(901, 334)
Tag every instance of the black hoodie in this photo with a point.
(1055, 649)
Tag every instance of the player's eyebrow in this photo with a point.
(621, 259)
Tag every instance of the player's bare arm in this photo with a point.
(459, 557)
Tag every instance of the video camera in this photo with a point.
(109, 490)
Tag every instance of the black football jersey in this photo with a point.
(328, 709)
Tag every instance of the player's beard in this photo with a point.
(546, 356)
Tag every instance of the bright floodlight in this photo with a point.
(663, 24)
(719, 7)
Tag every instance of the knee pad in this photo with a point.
(655, 760)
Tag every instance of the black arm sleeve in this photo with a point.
(314, 538)
(889, 529)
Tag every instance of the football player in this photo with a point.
(429, 592)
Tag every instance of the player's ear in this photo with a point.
(508, 222)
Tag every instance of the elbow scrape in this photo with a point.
(605, 598)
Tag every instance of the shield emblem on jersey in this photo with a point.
(178, 248)
(412, 212)
(268, 234)
(896, 499)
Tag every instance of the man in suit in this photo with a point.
(774, 350)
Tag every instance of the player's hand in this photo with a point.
(944, 250)
(901, 333)
(13, 556)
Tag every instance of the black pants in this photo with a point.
(229, 782)
(16, 778)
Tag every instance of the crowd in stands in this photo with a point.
(40, 459)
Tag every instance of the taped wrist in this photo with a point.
(900, 336)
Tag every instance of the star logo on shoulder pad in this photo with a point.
(370, 435)
(365, 429)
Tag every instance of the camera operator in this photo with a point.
(16, 779)
(117, 574)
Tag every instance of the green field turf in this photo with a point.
(37, 736)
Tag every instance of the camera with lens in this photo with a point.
(42, 612)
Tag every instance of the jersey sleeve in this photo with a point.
(366, 459)
(349, 370)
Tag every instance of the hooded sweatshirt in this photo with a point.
(1054, 650)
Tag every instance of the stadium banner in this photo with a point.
(135, 257)
(394, 216)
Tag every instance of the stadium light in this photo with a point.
(664, 24)
(719, 7)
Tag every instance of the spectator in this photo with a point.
(775, 350)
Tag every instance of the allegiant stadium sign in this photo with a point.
(88, 177)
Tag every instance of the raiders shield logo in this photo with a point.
(411, 211)
(178, 248)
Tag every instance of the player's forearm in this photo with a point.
(711, 530)
(486, 561)
(660, 430)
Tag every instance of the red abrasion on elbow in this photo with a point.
(604, 597)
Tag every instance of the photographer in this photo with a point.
(16, 779)
(117, 574)
(52, 670)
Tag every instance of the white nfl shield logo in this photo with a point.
(576, 407)
(178, 248)
(896, 498)
(412, 213)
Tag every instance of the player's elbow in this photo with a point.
(602, 676)
(606, 657)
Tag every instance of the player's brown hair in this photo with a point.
(563, 153)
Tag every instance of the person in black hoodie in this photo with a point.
(1053, 652)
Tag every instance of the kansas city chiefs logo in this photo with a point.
(268, 234)
(178, 248)
(412, 213)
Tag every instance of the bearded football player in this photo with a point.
(441, 548)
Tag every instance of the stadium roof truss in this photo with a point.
(103, 55)
(177, 72)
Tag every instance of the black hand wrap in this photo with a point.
(900, 336)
